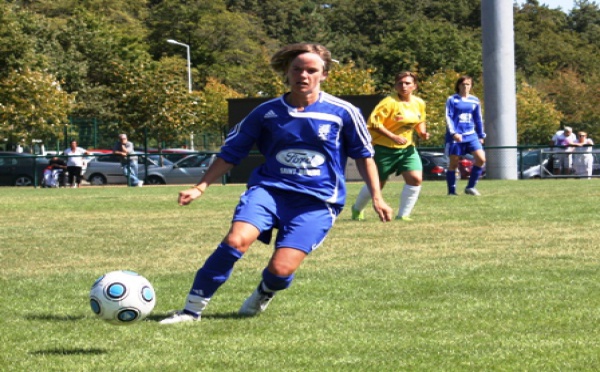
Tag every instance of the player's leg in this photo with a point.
(476, 149)
(411, 168)
(304, 224)
(277, 276)
(451, 174)
(252, 215)
(385, 164)
(453, 151)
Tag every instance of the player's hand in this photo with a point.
(188, 196)
(457, 137)
(401, 140)
(383, 210)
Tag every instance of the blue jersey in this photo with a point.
(463, 116)
(305, 151)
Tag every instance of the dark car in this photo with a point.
(18, 169)
(435, 165)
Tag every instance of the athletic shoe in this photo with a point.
(452, 194)
(358, 215)
(472, 191)
(140, 183)
(403, 218)
(180, 317)
(256, 303)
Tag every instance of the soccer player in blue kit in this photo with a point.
(306, 136)
(464, 134)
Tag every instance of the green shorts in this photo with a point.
(391, 161)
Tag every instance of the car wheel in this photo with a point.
(97, 180)
(23, 181)
(154, 180)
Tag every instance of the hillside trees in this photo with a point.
(108, 54)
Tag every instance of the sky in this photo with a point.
(565, 5)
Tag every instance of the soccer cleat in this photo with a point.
(257, 302)
(472, 191)
(180, 317)
(403, 218)
(358, 215)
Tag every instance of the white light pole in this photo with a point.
(189, 67)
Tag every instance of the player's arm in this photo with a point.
(368, 171)
(478, 120)
(389, 134)
(214, 173)
(421, 130)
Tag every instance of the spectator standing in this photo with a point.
(306, 136)
(75, 163)
(584, 159)
(129, 162)
(392, 124)
(562, 142)
(464, 134)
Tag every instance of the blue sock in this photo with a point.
(474, 177)
(274, 282)
(215, 271)
(451, 181)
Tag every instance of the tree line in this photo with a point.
(110, 60)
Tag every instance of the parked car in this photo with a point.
(19, 169)
(465, 164)
(185, 171)
(435, 165)
(533, 168)
(173, 155)
(105, 169)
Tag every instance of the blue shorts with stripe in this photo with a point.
(468, 145)
(302, 221)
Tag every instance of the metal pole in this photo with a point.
(189, 61)
(499, 88)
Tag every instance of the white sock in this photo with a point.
(196, 304)
(363, 198)
(408, 199)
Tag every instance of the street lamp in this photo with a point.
(189, 68)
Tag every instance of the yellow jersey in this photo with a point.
(398, 117)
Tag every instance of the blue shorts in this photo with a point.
(302, 221)
(469, 145)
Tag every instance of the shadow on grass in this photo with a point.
(54, 317)
(232, 315)
(75, 351)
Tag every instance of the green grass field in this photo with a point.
(505, 282)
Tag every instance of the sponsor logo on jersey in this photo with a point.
(300, 158)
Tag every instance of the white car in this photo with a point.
(188, 170)
(105, 169)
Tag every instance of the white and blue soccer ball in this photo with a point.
(122, 297)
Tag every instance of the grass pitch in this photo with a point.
(507, 281)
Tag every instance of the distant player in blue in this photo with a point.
(464, 134)
(306, 136)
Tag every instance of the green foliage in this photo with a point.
(435, 91)
(537, 118)
(32, 106)
(95, 48)
(347, 79)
